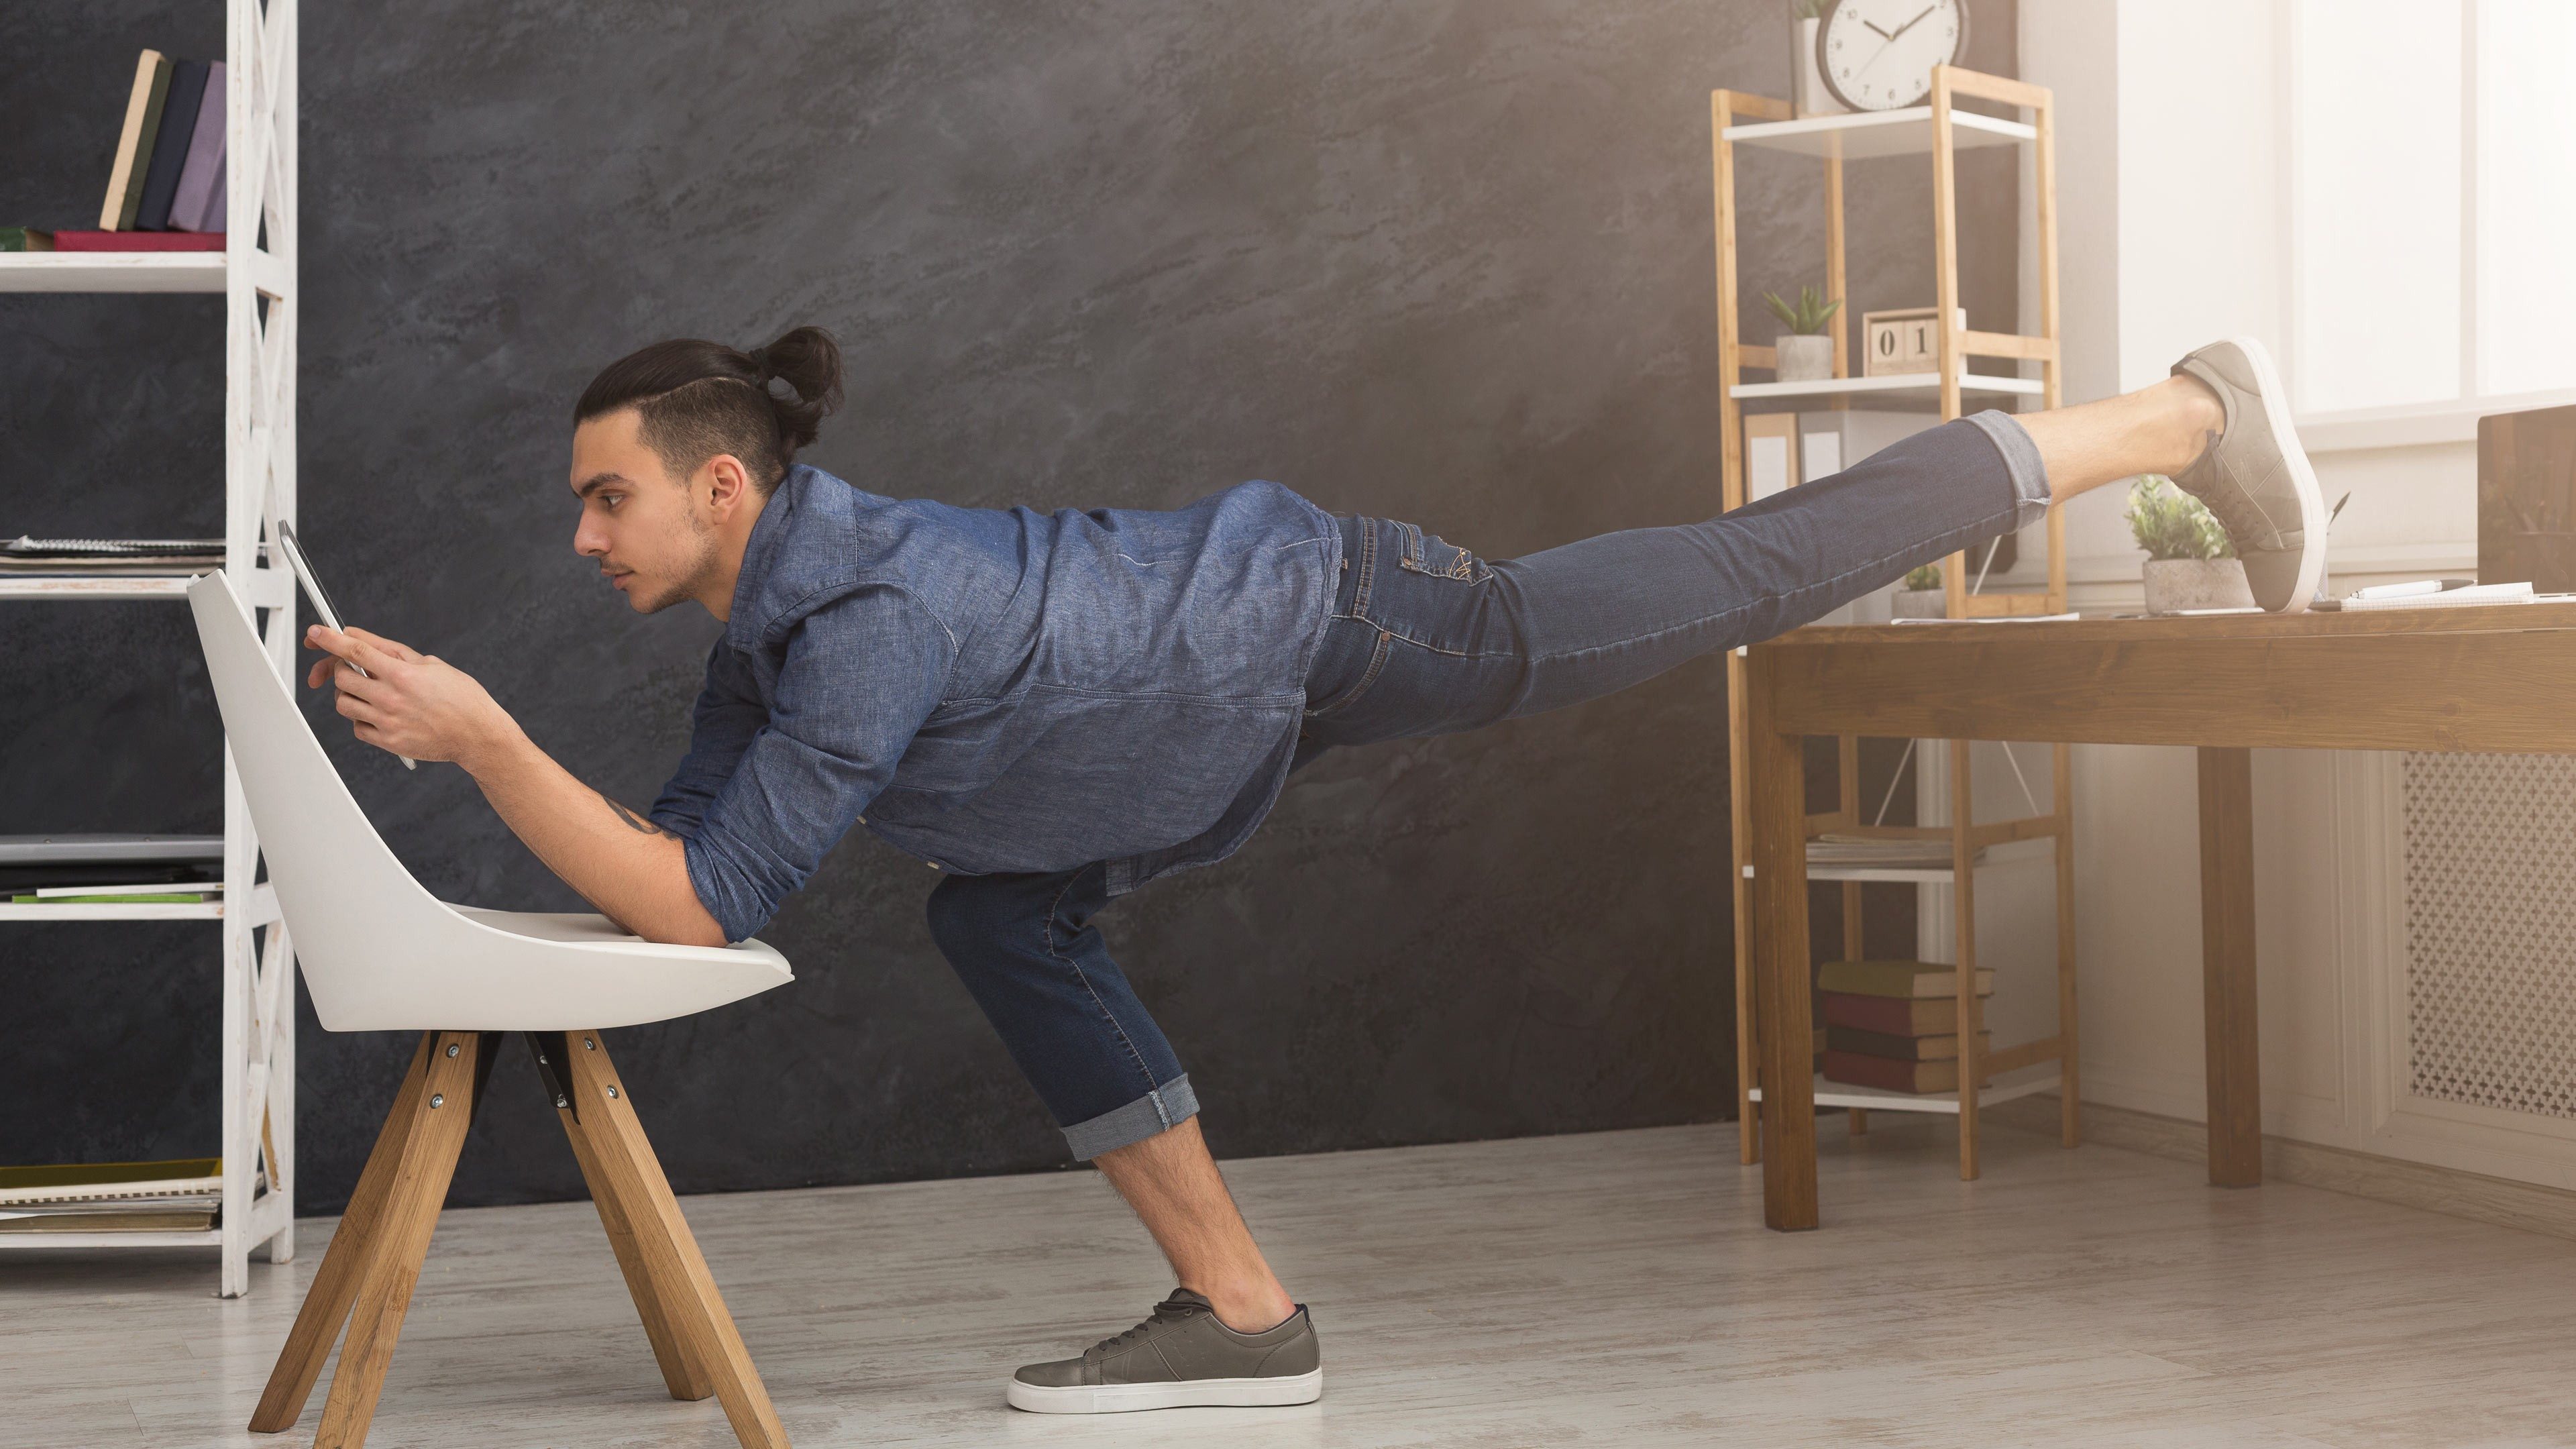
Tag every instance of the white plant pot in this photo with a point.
(1806, 82)
(1804, 357)
(2176, 584)
(1922, 604)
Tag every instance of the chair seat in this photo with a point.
(543, 971)
(578, 926)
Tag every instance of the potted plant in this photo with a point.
(2191, 564)
(1804, 353)
(1921, 595)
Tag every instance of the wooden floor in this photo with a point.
(1610, 1289)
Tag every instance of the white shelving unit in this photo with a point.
(258, 285)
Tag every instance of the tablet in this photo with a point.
(330, 617)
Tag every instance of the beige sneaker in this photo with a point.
(1180, 1357)
(2255, 477)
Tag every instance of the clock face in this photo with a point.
(1877, 55)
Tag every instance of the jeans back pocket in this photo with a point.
(1426, 553)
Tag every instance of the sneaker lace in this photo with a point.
(1170, 1310)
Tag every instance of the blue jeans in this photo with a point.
(1427, 638)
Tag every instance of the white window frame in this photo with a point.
(2397, 425)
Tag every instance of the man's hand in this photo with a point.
(407, 702)
(630, 868)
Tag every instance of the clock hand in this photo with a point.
(1910, 24)
(1872, 24)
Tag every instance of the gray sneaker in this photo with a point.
(1179, 1357)
(2256, 479)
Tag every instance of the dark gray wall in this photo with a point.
(1443, 262)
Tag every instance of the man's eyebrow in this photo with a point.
(597, 481)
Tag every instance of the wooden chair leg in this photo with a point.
(682, 1371)
(678, 1272)
(335, 1286)
(401, 1239)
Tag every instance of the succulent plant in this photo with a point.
(1809, 316)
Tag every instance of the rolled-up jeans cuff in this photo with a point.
(2022, 461)
(1159, 1110)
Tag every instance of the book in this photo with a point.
(1898, 978)
(112, 555)
(198, 205)
(1832, 849)
(28, 546)
(1893, 1015)
(135, 888)
(170, 144)
(25, 239)
(108, 1181)
(134, 146)
(1887, 1047)
(138, 241)
(1853, 1069)
(166, 876)
(72, 847)
(110, 1220)
(159, 898)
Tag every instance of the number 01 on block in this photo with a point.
(1905, 340)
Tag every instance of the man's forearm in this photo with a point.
(632, 870)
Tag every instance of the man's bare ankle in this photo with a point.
(1250, 1309)
(2203, 413)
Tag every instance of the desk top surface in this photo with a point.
(2494, 677)
(2464, 619)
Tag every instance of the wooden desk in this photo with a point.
(2496, 679)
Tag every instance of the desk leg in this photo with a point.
(1776, 771)
(2227, 966)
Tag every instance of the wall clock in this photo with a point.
(1878, 55)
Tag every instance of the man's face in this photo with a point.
(649, 530)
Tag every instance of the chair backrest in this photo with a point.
(379, 952)
(343, 893)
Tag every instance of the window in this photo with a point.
(2432, 200)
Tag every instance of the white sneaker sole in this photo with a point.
(2312, 500)
(1304, 1388)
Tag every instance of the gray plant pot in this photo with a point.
(2176, 584)
(1805, 357)
(1922, 604)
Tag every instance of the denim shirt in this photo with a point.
(996, 690)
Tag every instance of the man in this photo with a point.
(1054, 709)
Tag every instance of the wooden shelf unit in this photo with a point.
(1938, 130)
(258, 284)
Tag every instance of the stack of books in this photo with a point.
(166, 190)
(1894, 1025)
(68, 870)
(22, 556)
(112, 1197)
(1882, 853)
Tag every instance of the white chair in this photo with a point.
(379, 953)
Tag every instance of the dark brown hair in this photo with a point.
(697, 399)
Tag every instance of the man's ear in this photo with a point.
(726, 483)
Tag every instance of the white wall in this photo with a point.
(2173, 231)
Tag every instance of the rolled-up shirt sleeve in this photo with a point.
(859, 677)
